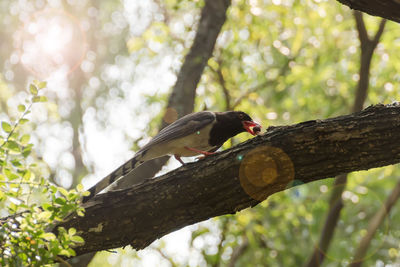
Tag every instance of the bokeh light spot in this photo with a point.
(50, 41)
(263, 167)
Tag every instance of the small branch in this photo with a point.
(222, 83)
(367, 49)
(361, 29)
(63, 262)
(379, 32)
(282, 71)
(224, 228)
(238, 252)
(163, 10)
(251, 90)
(16, 124)
(335, 207)
(164, 256)
(373, 225)
(224, 88)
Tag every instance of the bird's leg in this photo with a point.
(178, 158)
(205, 153)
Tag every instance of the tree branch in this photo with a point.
(282, 72)
(373, 226)
(238, 251)
(367, 49)
(389, 9)
(240, 177)
(361, 29)
(379, 32)
(222, 82)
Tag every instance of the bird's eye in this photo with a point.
(241, 116)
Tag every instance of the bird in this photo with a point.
(199, 133)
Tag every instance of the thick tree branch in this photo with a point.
(240, 177)
(389, 9)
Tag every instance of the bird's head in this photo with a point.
(244, 122)
(248, 124)
(231, 123)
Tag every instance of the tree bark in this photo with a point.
(240, 177)
(389, 9)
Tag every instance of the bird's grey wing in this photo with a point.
(186, 125)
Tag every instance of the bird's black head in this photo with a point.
(231, 123)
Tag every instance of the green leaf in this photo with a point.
(79, 187)
(47, 206)
(43, 98)
(48, 236)
(42, 85)
(28, 176)
(16, 163)
(64, 252)
(36, 99)
(9, 174)
(44, 215)
(80, 213)
(72, 231)
(77, 239)
(23, 121)
(24, 140)
(12, 207)
(33, 89)
(12, 146)
(26, 152)
(21, 108)
(6, 126)
(63, 191)
(60, 201)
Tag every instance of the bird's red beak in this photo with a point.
(250, 125)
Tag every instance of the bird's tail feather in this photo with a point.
(115, 175)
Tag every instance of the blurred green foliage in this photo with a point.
(34, 205)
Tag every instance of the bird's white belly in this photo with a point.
(198, 140)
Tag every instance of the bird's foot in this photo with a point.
(201, 157)
(178, 158)
(205, 153)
